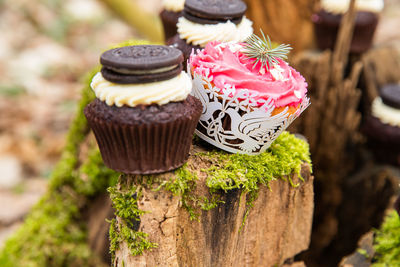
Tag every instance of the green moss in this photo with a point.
(387, 242)
(124, 202)
(238, 171)
(51, 228)
(95, 176)
(363, 252)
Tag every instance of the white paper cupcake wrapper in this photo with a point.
(253, 128)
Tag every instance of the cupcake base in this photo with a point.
(169, 20)
(186, 48)
(144, 139)
(383, 140)
(326, 27)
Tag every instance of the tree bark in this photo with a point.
(278, 226)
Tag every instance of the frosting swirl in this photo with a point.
(161, 93)
(201, 34)
(341, 6)
(230, 69)
(385, 113)
(173, 5)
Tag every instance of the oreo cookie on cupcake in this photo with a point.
(143, 116)
(327, 22)
(171, 12)
(383, 125)
(204, 21)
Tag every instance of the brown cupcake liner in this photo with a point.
(169, 20)
(144, 148)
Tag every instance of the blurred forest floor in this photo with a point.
(46, 47)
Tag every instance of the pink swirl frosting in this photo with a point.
(230, 68)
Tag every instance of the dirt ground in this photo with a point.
(46, 46)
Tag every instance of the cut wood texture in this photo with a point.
(287, 21)
(278, 226)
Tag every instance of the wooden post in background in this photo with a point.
(285, 21)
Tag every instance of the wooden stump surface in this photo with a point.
(277, 228)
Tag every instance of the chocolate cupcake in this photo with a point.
(327, 22)
(143, 116)
(204, 21)
(171, 12)
(382, 127)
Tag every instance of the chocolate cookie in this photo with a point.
(141, 64)
(214, 11)
(390, 95)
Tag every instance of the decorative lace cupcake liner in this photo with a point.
(235, 121)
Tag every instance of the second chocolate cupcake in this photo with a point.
(204, 21)
(382, 126)
(171, 12)
(143, 117)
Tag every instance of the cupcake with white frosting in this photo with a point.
(204, 21)
(143, 116)
(171, 12)
(382, 126)
(327, 22)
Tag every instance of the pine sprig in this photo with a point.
(261, 49)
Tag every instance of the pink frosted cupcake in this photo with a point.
(249, 94)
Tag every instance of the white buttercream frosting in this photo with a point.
(341, 6)
(385, 113)
(173, 5)
(201, 34)
(161, 93)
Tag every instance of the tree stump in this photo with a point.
(277, 228)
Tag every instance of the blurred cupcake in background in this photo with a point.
(327, 22)
(171, 12)
(204, 21)
(382, 126)
(250, 95)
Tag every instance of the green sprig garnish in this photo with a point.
(263, 51)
